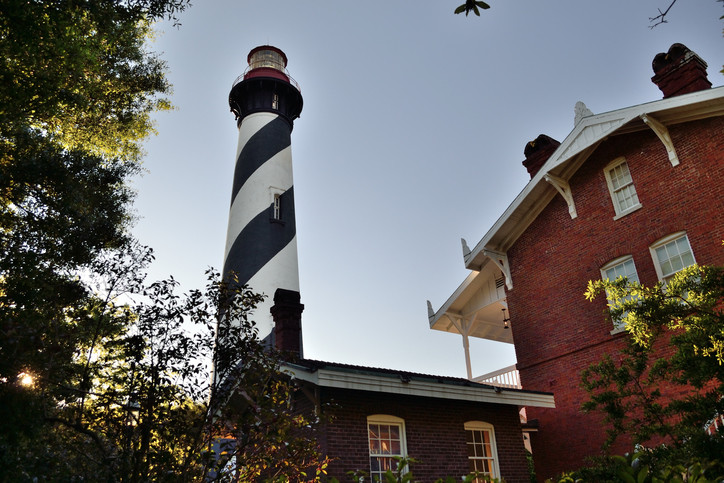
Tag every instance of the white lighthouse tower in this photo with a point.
(261, 243)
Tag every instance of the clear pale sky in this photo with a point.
(411, 137)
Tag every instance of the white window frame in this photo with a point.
(385, 420)
(482, 426)
(662, 242)
(607, 171)
(618, 326)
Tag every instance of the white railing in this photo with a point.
(506, 377)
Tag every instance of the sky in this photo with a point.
(411, 137)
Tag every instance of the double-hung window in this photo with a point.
(386, 436)
(620, 267)
(672, 254)
(620, 185)
(482, 453)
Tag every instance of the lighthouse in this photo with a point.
(261, 242)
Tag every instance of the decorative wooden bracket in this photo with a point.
(564, 189)
(663, 134)
(501, 261)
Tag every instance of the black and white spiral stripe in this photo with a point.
(261, 247)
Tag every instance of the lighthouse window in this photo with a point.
(267, 58)
(277, 210)
(275, 101)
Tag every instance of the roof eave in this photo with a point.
(577, 147)
(482, 393)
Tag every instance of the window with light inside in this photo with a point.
(482, 453)
(386, 435)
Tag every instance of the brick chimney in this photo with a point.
(537, 153)
(287, 315)
(679, 71)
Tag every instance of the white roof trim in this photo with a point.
(443, 311)
(590, 131)
(392, 384)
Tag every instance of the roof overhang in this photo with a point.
(428, 386)
(475, 308)
(573, 152)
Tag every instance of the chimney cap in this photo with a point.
(537, 153)
(679, 71)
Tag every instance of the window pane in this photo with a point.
(374, 446)
(688, 259)
(471, 450)
(674, 256)
(395, 447)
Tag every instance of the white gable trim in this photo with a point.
(577, 146)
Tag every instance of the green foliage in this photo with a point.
(78, 72)
(667, 383)
(637, 467)
(403, 474)
(77, 87)
(138, 401)
(121, 383)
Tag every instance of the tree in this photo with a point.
(77, 87)
(667, 385)
(139, 403)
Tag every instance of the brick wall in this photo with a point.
(557, 332)
(434, 432)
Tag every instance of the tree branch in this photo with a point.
(661, 17)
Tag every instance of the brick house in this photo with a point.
(634, 192)
(450, 425)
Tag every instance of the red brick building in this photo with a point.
(634, 192)
(449, 425)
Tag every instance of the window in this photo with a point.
(386, 436)
(275, 101)
(277, 210)
(620, 185)
(620, 267)
(275, 195)
(671, 254)
(482, 453)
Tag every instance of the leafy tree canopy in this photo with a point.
(138, 402)
(667, 385)
(79, 72)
